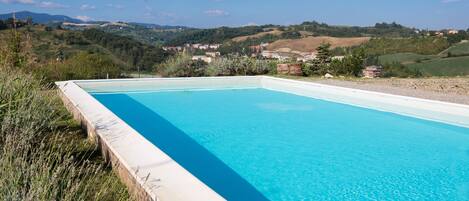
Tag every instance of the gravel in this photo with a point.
(455, 90)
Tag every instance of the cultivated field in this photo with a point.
(458, 49)
(404, 58)
(453, 66)
(310, 44)
(435, 65)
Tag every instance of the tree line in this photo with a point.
(217, 35)
(11, 23)
(138, 55)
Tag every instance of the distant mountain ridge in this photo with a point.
(157, 26)
(44, 18)
(41, 18)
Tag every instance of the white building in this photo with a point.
(214, 46)
(213, 54)
(204, 58)
(340, 58)
(453, 31)
(196, 46)
(268, 54)
(204, 47)
(306, 57)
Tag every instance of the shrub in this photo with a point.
(231, 66)
(181, 65)
(80, 66)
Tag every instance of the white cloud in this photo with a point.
(84, 18)
(251, 24)
(18, 1)
(87, 7)
(51, 5)
(116, 6)
(216, 12)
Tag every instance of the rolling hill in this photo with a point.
(46, 44)
(435, 65)
(460, 49)
(41, 18)
(453, 66)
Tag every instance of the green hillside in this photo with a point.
(454, 66)
(151, 36)
(418, 45)
(460, 49)
(405, 58)
(48, 44)
(454, 61)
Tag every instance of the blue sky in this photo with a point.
(433, 14)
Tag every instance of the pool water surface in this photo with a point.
(258, 144)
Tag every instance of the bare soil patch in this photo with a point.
(455, 90)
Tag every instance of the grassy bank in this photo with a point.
(44, 155)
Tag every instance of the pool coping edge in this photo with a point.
(141, 181)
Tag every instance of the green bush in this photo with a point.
(80, 66)
(240, 66)
(182, 65)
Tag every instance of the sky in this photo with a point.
(424, 14)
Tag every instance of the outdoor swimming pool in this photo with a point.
(260, 144)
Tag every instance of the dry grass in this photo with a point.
(309, 44)
(44, 155)
(258, 35)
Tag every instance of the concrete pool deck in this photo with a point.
(153, 175)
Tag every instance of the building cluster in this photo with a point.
(441, 33)
(196, 46)
(372, 71)
(207, 58)
(257, 49)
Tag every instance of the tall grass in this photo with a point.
(43, 156)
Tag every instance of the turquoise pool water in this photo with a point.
(257, 144)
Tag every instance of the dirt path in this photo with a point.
(455, 90)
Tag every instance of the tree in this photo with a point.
(136, 54)
(351, 65)
(321, 64)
